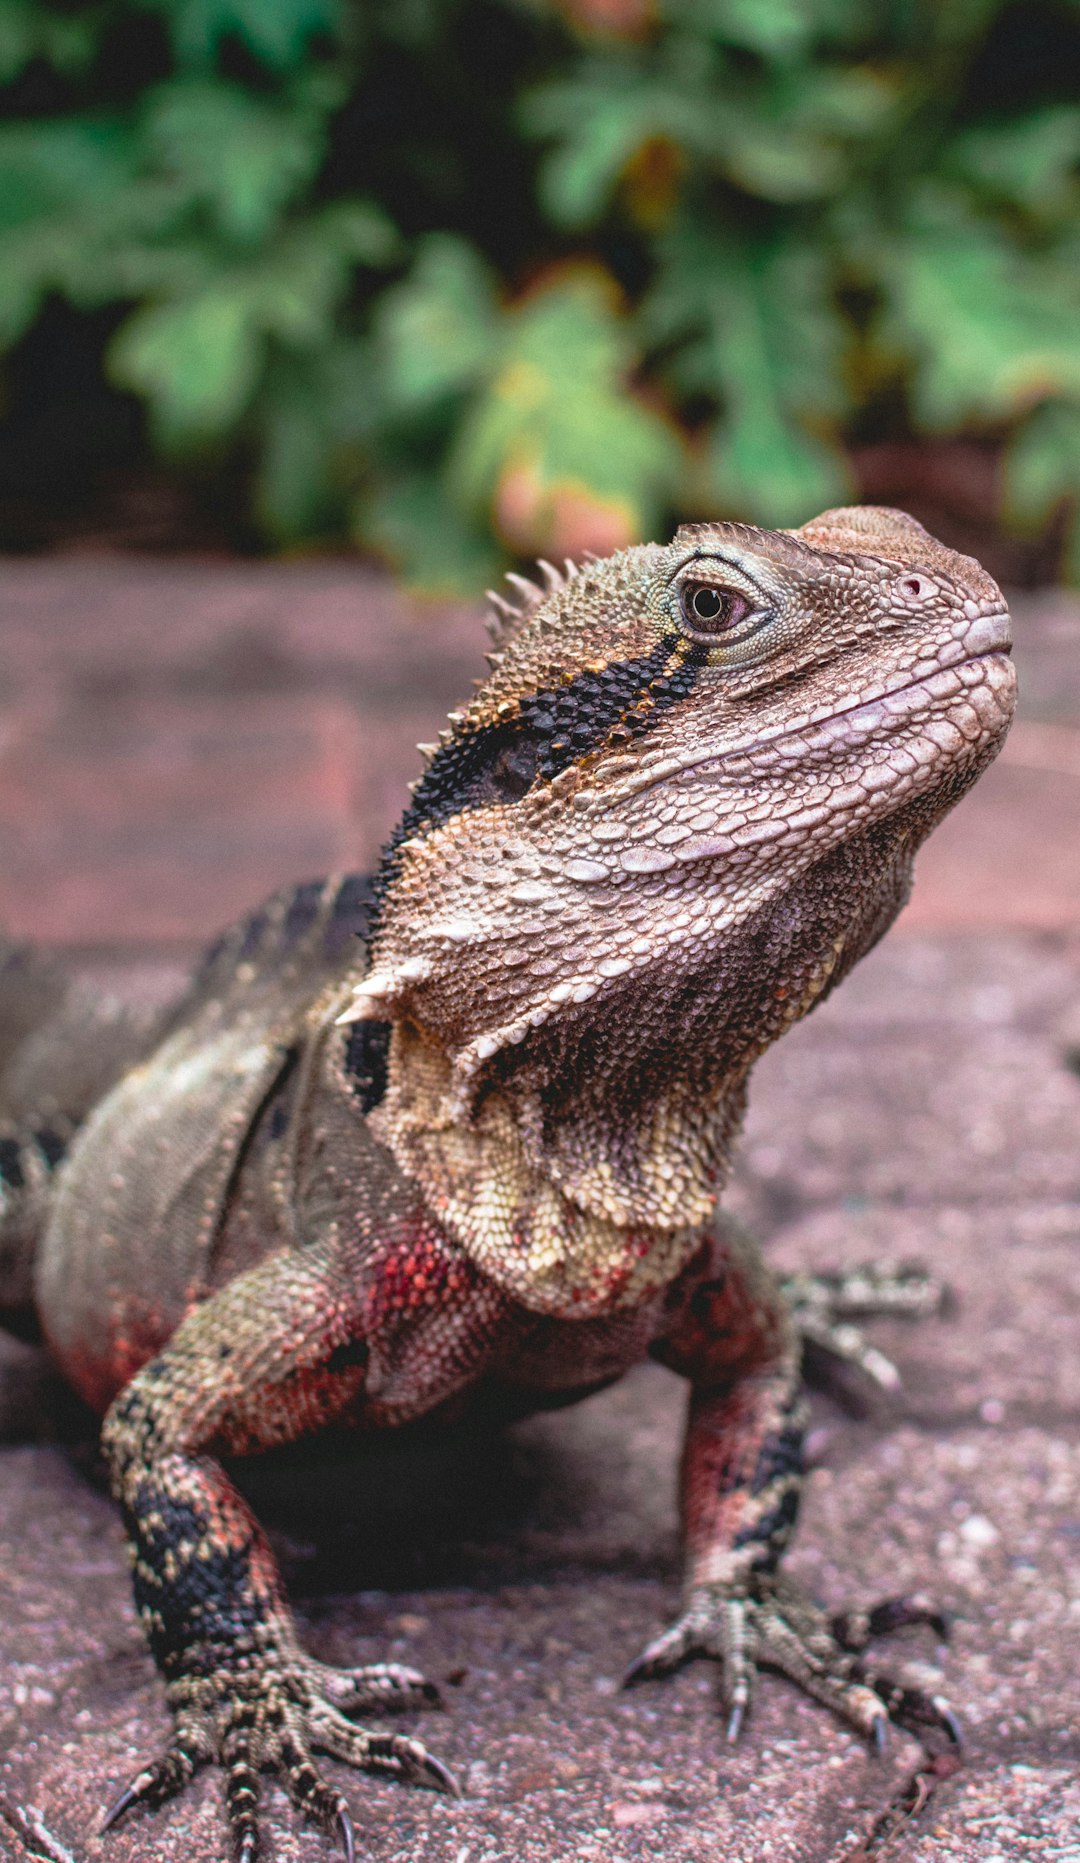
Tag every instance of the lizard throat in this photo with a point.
(571, 1221)
(580, 1172)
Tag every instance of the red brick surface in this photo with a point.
(176, 740)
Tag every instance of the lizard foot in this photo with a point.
(271, 1715)
(826, 1307)
(769, 1623)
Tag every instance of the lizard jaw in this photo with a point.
(995, 656)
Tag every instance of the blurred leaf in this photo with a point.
(310, 267)
(958, 27)
(242, 156)
(60, 169)
(801, 138)
(817, 210)
(990, 327)
(753, 325)
(195, 361)
(598, 122)
(790, 135)
(29, 30)
(774, 28)
(559, 417)
(317, 426)
(1042, 464)
(435, 331)
(652, 181)
(1030, 162)
(62, 186)
(296, 480)
(277, 31)
(764, 466)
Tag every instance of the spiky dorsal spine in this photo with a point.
(504, 620)
(506, 617)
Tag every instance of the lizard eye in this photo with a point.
(709, 611)
(916, 586)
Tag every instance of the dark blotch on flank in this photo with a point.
(11, 1170)
(367, 1050)
(301, 912)
(349, 915)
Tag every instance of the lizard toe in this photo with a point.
(853, 1630)
(161, 1779)
(374, 1688)
(663, 1655)
(395, 1756)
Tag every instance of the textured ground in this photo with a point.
(175, 740)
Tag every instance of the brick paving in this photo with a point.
(177, 738)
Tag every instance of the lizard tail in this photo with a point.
(62, 1045)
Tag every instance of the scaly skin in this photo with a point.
(481, 1146)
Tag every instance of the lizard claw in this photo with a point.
(433, 1772)
(153, 1785)
(664, 1654)
(123, 1802)
(347, 1835)
(276, 1723)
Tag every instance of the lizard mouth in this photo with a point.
(997, 647)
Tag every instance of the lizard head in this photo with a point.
(740, 736)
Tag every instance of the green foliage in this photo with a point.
(992, 326)
(1041, 461)
(460, 277)
(276, 31)
(757, 329)
(554, 417)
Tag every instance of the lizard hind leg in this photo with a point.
(828, 1308)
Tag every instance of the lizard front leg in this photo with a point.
(742, 1475)
(275, 1354)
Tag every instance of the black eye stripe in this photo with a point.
(552, 730)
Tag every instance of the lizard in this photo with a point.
(464, 1129)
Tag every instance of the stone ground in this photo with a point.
(176, 739)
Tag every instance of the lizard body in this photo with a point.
(465, 1130)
